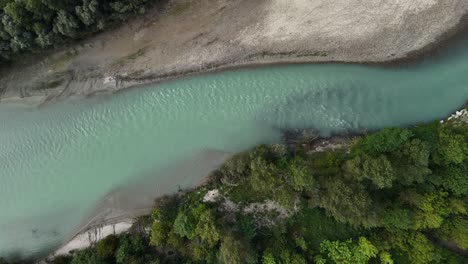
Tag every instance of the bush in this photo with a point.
(106, 248)
(87, 256)
(386, 140)
(61, 260)
(130, 247)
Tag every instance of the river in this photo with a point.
(60, 160)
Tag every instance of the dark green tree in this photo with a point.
(88, 13)
(235, 250)
(346, 202)
(397, 218)
(349, 252)
(300, 176)
(130, 248)
(378, 170)
(384, 141)
(455, 229)
(66, 24)
(105, 249)
(451, 148)
(86, 256)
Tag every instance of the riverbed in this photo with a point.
(59, 161)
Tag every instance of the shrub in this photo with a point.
(106, 248)
(386, 140)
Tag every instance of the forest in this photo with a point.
(34, 25)
(395, 196)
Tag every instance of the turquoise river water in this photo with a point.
(58, 161)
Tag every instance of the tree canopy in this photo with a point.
(31, 25)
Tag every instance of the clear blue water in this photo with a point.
(58, 161)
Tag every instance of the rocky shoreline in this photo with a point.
(190, 37)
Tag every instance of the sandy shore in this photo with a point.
(93, 235)
(187, 37)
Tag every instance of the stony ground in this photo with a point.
(186, 37)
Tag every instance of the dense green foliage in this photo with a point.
(395, 196)
(29, 25)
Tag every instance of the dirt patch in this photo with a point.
(130, 58)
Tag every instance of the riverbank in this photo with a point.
(118, 210)
(184, 38)
(97, 230)
(240, 201)
(105, 223)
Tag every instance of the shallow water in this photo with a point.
(57, 162)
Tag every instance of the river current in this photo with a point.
(60, 160)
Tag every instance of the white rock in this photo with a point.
(211, 196)
(108, 80)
